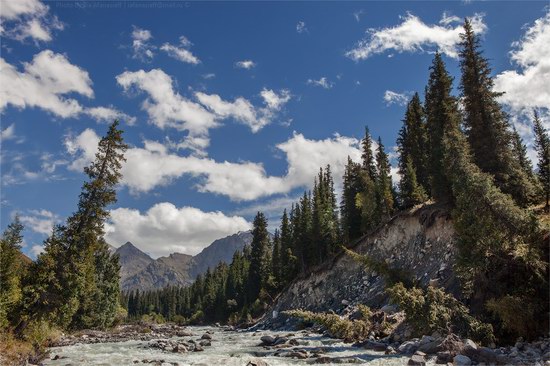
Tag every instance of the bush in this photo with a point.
(179, 320)
(517, 314)
(196, 318)
(337, 327)
(434, 310)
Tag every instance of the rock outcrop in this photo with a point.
(419, 241)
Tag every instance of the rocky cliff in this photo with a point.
(419, 241)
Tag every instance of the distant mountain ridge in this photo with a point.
(141, 272)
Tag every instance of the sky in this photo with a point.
(228, 107)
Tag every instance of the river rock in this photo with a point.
(376, 346)
(267, 340)
(198, 348)
(257, 362)
(417, 360)
(205, 343)
(206, 336)
(461, 360)
(408, 347)
(298, 354)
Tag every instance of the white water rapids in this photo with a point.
(229, 348)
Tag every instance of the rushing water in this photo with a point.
(229, 348)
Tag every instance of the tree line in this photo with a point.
(458, 151)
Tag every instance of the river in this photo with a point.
(229, 348)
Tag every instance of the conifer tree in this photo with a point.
(11, 267)
(411, 193)
(78, 270)
(276, 263)
(289, 261)
(542, 146)
(367, 155)
(259, 258)
(487, 125)
(520, 153)
(413, 142)
(383, 185)
(349, 212)
(442, 114)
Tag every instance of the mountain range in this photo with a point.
(141, 272)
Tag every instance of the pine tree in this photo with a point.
(383, 185)
(259, 265)
(413, 142)
(367, 155)
(11, 267)
(442, 114)
(411, 193)
(289, 262)
(349, 212)
(487, 125)
(542, 146)
(76, 268)
(276, 263)
(520, 153)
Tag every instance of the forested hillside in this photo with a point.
(457, 151)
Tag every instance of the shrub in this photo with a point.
(179, 320)
(196, 318)
(337, 327)
(434, 310)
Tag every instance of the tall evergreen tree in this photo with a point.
(259, 258)
(487, 125)
(11, 267)
(520, 153)
(289, 261)
(542, 146)
(350, 214)
(411, 193)
(383, 184)
(276, 262)
(367, 155)
(413, 142)
(78, 268)
(442, 114)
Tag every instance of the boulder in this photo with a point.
(206, 336)
(417, 360)
(198, 348)
(408, 347)
(257, 362)
(267, 340)
(461, 360)
(205, 343)
(444, 358)
(376, 346)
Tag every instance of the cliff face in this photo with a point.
(420, 242)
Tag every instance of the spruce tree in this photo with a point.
(77, 269)
(520, 153)
(259, 258)
(349, 212)
(276, 263)
(289, 261)
(383, 185)
(411, 193)
(542, 146)
(367, 155)
(413, 142)
(487, 125)
(11, 267)
(442, 114)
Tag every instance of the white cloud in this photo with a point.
(22, 19)
(181, 52)
(44, 83)
(168, 109)
(413, 35)
(301, 27)
(37, 250)
(109, 114)
(526, 88)
(40, 221)
(245, 64)
(165, 228)
(358, 14)
(322, 82)
(209, 76)
(8, 133)
(391, 97)
(143, 49)
(153, 165)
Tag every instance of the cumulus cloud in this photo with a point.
(391, 97)
(165, 228)
(301, 27)
(526, 88)
(323, 82)
(154, 165)
(40, 221)
(168, 109)
(245, 64)
(143, 49)
(413, 35)
(181, 52)
(8, 133)
(109, 114)
(24, 19)
(44, 83)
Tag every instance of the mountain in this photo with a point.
(132, 260)
(138, 271)
(220, 250)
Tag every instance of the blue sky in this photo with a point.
(228, 107)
